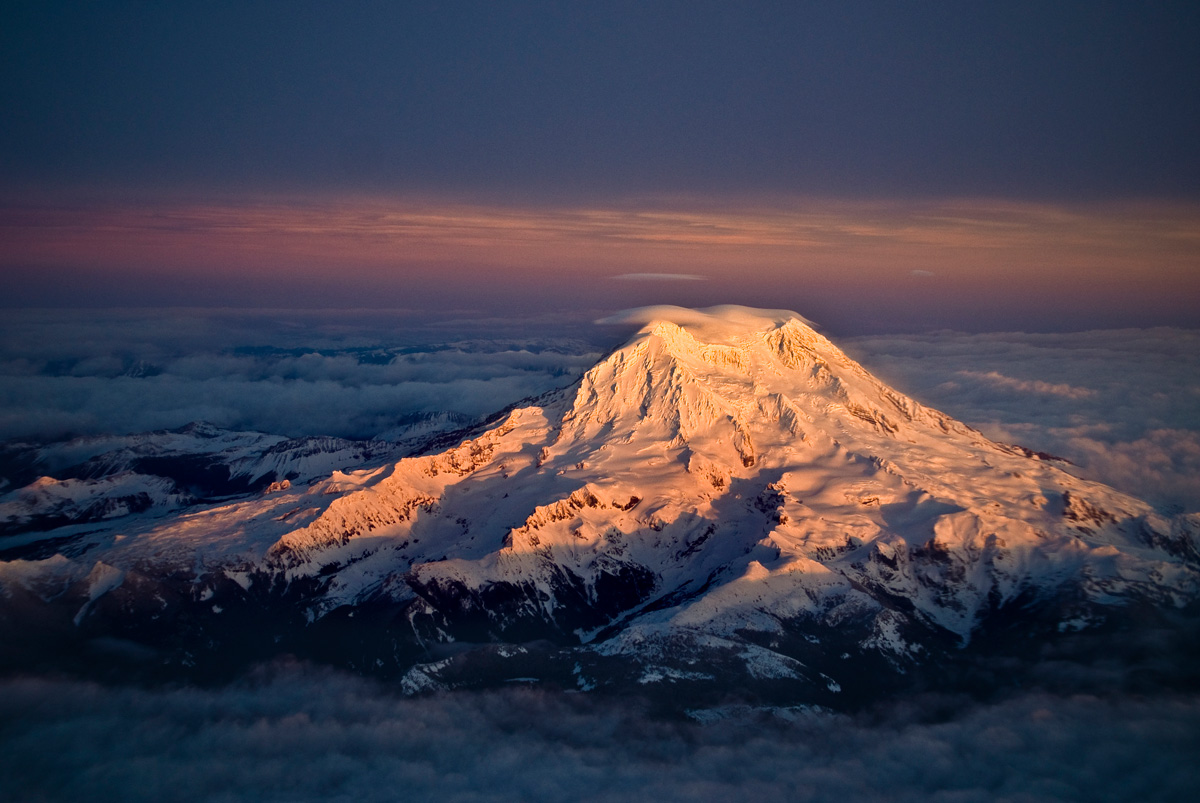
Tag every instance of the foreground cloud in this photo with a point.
(312, 735)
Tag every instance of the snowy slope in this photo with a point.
(752, 451)
(728, 489)
(101, 478)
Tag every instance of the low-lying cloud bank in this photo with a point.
(291, 373)
(318, 735)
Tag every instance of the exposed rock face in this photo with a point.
(730, 498)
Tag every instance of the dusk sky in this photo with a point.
(253, 253)
(875, 166)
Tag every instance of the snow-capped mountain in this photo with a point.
(99, 478)
(725, 502)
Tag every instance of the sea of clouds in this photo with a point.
(352, 374)
(301, 734)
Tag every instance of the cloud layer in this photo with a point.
(288, 373)
(307, 735)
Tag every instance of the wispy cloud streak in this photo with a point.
(958, 239)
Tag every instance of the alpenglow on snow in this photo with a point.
(725, 504)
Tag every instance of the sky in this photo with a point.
(317, 218)
(877, 167)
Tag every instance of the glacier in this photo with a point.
(725, 505)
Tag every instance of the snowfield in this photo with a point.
(727, 495)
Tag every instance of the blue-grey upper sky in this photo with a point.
(523, 100)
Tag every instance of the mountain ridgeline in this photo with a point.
(726, 507)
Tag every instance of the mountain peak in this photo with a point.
(726, 488)
(710, 334)
(727, 371)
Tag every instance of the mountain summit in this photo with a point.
(727, 501)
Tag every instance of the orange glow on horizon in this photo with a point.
(963, 243)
